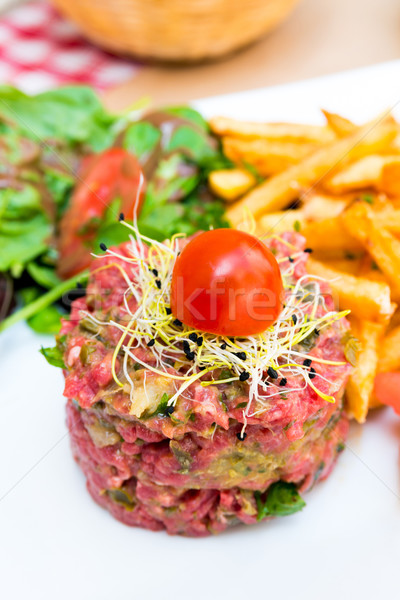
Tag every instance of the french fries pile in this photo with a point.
(339, 185)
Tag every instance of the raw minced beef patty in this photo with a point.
(190, 471)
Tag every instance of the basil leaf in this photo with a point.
(282, 500)
(54, 356)
(141, 139)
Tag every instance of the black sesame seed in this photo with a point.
(283, 381)
(186, 347)
(272, 373)
(294, 319)
(312, 373)
(193, 337)
(309, 250)
(151, 343)
(291, 260)
(241, 436)
(241, 355)
(178, 323)
(223, 346)
(199, 341)
(168, 310)
(307, 362)
(189, 355)
(316, 331)
(121, 217)
(155, 272)
(103, 247)
(244, 376)
(158, 284)
(169, 410)
(79, 285)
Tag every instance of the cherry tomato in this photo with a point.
(226, 282)
(387, 389)
(104, 177)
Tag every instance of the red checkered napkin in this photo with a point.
(39, 50)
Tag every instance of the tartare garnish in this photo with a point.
(227, 282)
(265, 362)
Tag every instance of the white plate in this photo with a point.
(55, 543)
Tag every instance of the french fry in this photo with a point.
(389, 352)
(368, 300)
(390, 178)
(351, 266)
(361, 383)
(279, 222)
(276, 193)
(318, 207)
(374, 171)
(230, 184)
(267, 157)
(330, 238)
(382, 245)
(340, 125)
(224, 126)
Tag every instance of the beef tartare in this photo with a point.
(192, 432)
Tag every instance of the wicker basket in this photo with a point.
(175, 30)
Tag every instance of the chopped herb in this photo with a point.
(297, 226)
(352, 347)
(281, 499)
(54, 356)
(368, 198)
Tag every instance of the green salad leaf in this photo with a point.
(282, 499)
(72, 114)
(141, 139)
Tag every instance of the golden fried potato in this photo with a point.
(329, 238)
(230, 184)
(361, 383)
(267, 157)
(340, 125)
(224, 126)
(282, 189)
(318, 207)
(369, 300)
(383, 246)
(390, 178)
(389, 352)
(279, 222)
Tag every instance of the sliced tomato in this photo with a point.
(387, 389)
(103, 178)
(226, 282)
